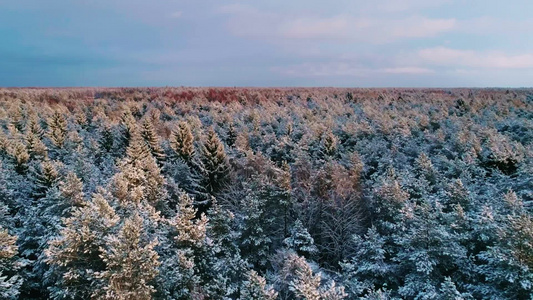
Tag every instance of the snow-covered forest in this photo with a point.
(231, 193)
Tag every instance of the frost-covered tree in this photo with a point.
(215, 165)
(151, 138)
(10, 281)
(307, 285)
(57, 129)
(427, 252)
(182, 142)
(255, 287)
(139, 178)
(44, 176)
(371, 267)
(301, 241)
(255, 240)
(75, 256)
(131, 263)
(20, 156)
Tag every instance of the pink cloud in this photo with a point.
(443, 56)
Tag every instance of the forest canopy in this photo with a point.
(264, 193)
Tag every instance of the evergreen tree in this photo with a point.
(107, 139)
(228, 266)
(301, 241)
(20, 156)
(45, 176)
(10, 281)
(215, 165)
(33, 126)
(507, 265)
(328, 144)
(255, 239)
(182, 142)
(255, 288)
(428, 251)
(139, 177)
(131, 263)
(128, 125)
(448, 291)
(151, 139)
(75, 256)
(371, 268)
(232, 135)
(35, 146)
(307, 286)
(57, 129)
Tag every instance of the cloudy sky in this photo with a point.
(379, 43)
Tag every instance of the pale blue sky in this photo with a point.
(380, 43)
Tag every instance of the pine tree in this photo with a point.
(448, 291)
(128, 125)
(131, 263)
(107, 139)
(35, 146)
(57, 129)
(151, 139)
(10, 281)
(301, 241)
(255, 288)
(425, 168)
(286, 199)
(20, 156)
(187, 266)
(371, 267)
(71, 188)
(307, 286)
(33, 126)
(328, 144)
(232, 135)
(182, 142)
(139, 177)
(507, 265)
(18, 117)
(215, 165)
(75, 256)
(228, 265)
(458, 194)
(427, 249)
(255, 239)
(191, 231)
(44, 177)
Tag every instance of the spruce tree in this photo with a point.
(231, 137)
(10, 281)
(215, 165)
(328, 145)
(255, 239)
(228, 265)
(131, 263)
(182, 142)
(139, 178)
(35, 146)
(255, 288)
(20, 156)
(301, 241)
(151, 139)
(44, 176)
(75, 256)
(371, 267)
(57, 129)
(306, 285)
(128, 125)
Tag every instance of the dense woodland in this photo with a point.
(228, 193)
